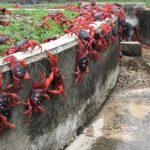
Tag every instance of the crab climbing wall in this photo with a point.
(62, 119)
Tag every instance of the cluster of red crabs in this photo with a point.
(91, 43)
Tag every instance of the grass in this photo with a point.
(25, 26)
(38, 6)
(147, 2)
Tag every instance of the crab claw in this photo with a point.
(33, 44)
(46, 97)
(39, 108)
(5, 122)
(49, 80)
(95, 55)
(10, 59)
(52, 58)
(10, 51)
(15, 99)
(60, 90)
(29, 111)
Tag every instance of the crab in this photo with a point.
(82, 67)
(101, 16)
(22, 46)
(8, 100)
(19, 70)
(58, 85)
(17, 6)
(100, 42)
(43, 25)
(4, 22)
(36, 96)
(56, 16)
(5, 11)
(86, 36)
(107, 33)
(4, 39)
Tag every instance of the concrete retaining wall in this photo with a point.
(63, 119)
(144, 26)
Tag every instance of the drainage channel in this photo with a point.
(124, 121)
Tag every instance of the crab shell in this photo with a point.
(83, 34)
(3, 39)
(18, 70)
(83, 63)
(4, 105)
(37, 96)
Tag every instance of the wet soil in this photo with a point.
(134, 74)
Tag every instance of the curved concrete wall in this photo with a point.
(63, 119)
(144, 25)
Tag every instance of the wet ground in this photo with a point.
(124, 121)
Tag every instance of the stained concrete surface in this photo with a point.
(126, 122)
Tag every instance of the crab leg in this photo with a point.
(5, 122)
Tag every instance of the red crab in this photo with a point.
(81, 67)
(86, 35)
(59, 87)
(4, 22)
(101, 16)
(107, 29)
(19, 70)
(4, 39)
(100, 42)
(43, 25)
(37, 95)
(17, 6)
(22, 46)
(56, 16)
(5, 11)
(8, 100)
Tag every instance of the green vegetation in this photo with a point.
(5, 5)
(23, 25)
(38, 6)
(147, 2)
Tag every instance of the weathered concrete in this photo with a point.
(63, 119)
(123, 124)
(144, 26)
(127, 127)
(131, 48)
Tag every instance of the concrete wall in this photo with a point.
(63, 119)
(144, 25)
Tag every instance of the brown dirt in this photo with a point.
(134, 73)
